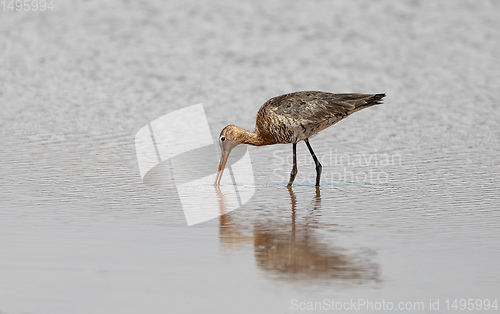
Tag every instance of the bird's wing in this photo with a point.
(292, 117)
(316, 107)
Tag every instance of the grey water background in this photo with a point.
(81, 233)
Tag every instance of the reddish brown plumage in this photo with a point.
(294, 117)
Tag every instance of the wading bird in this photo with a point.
(291, 118)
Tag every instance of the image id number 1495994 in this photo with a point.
(471, 304)
(27, 5)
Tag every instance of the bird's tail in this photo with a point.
(368, 101)
(377, 99)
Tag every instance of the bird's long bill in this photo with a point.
(222, 165)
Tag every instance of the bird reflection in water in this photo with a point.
(290, 248)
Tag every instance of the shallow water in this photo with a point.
(408, 209)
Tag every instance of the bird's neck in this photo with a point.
(249, 137)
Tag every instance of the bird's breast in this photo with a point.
(281, 130)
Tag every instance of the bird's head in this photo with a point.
(229, 138)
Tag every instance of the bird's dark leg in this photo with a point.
(316, 161)
(294, 168)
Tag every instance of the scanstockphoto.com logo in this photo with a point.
(178, 150)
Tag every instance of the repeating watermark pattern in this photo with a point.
(177, 149)
(340, 167)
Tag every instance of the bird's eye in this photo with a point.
(222, 139)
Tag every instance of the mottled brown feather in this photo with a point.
(294, 117)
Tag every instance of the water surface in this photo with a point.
(408, 206)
